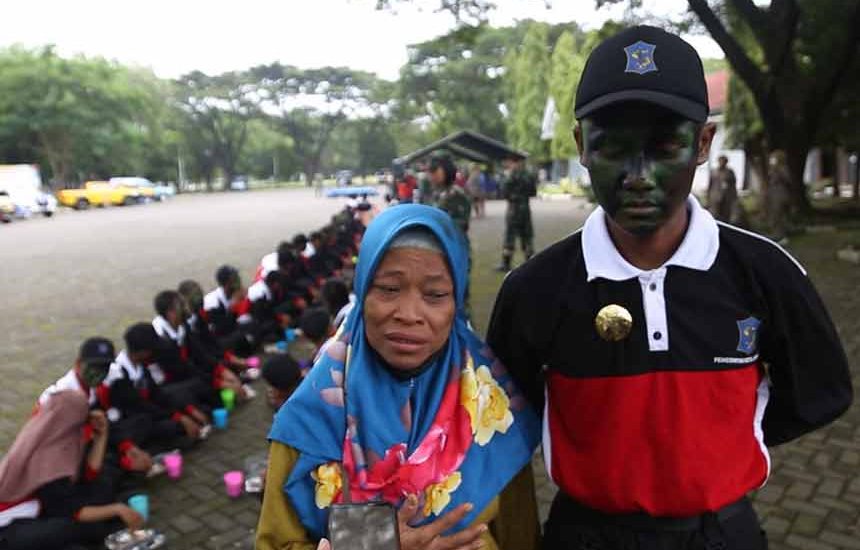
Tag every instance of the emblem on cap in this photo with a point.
(748, 335)
(613, 323)
(640, 58)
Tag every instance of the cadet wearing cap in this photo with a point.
(666, 350)
(91, 367)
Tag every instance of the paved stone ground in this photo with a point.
(88, 272)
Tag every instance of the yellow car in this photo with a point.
(7, 207)
(99, 193)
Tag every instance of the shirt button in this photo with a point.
(658, 335)
(653, 286)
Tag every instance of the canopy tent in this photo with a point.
(469, 145)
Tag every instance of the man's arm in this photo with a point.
(808, 370)
(507, 338)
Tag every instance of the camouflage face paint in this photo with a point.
(641, 162)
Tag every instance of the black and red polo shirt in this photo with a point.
(731, 350)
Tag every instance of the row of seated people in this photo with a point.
(97, 432)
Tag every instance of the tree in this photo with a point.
(218, 110)
(268, 153)
(337, 93)
(78, 117)
(454, 81)
(474, 11)
(527, 74)
(799, 59)
(567, 65)
(376, 145)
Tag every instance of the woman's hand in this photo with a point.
(429, 537)
(129, 517)
(324, 545)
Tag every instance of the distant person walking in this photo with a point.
(723, 192)
(475, 187)
(518, 186)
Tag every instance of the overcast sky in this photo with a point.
(176, 36)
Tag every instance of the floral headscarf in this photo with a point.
(458, 432)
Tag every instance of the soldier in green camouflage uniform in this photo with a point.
(449, 197)
(517, 188)
(452, 199)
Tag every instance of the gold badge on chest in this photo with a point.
(613, 323)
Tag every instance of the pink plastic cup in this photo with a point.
(173, 465)
(233, 481)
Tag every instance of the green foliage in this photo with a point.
(454, 81)
(78, 117)
(527, 73)
(713, 65)
(567, 65)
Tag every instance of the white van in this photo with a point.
(23, 184)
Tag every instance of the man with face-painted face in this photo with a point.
(666, 350)
(91, 368)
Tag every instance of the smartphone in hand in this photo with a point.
(365, 526)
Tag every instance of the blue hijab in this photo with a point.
(457, 432)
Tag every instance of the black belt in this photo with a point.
(570, 509)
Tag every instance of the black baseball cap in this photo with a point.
(644, 64)
(97, 351)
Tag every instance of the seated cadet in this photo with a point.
(271, 310)
(300, 246)
(90, 369)
(268, 263)
(338, 300)
(282, 374)
(139, 415)
(203, 348)
(188, 382)
(220, 311)
(298, 285)
(53, 496)
(315, 329)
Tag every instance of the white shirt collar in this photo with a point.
(162, 328)
(698, 250)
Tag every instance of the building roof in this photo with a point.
(718, 90)
(469, 145)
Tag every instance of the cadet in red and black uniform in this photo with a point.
(203, 348)
(140, 415)
(222, 310)
(182, 378)
(666, 350)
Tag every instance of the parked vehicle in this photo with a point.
(239, 183)
(23, 185)
(7, 207)
(144, 187)
(163, 191)
(99, 193)
(344, 177)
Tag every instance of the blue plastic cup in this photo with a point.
(219, 418)
(140, 504)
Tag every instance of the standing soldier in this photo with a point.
(723, 191)
(449, 197)
(452, 199)
(518, 187)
